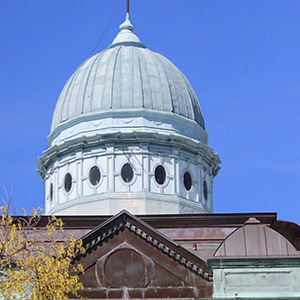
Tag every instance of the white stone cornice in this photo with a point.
(126, 121)
(83, 142)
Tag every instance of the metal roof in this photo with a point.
(255, 240)
(126, 76)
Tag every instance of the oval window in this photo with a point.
(205, 193)
(160, 174)
(187, 180)
(95, 175)
(68, 182)
(51, 192)
(127, 172)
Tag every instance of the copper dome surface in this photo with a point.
(255, 240)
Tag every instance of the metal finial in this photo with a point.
(127, 24)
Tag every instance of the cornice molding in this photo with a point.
(250, 262)
(125, 221)
(149, 115)
(182, 142)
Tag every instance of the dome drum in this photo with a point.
(142, 194)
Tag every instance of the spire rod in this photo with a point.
(127, 7)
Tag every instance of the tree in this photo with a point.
(36, 263)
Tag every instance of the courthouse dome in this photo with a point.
(128, 133)
(126, 77)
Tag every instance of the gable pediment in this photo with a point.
(126, 255)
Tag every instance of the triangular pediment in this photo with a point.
(125, 254)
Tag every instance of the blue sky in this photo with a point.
(241, 57)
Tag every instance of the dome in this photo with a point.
(255, 240)
(128, 133)
(124, 78)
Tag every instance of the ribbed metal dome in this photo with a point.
(255, 240)
(127, 76)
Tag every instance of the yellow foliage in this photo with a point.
(36, 262)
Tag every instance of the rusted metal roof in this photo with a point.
(255, 240)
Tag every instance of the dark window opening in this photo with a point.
(95, 175)
(51, 192)
(127, 172)
(68, 182)
(205, 192)
(160, 174)
(187, 179)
